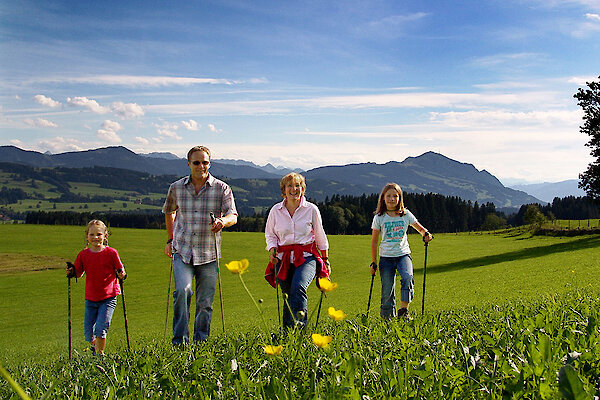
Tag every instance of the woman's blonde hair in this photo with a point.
(99, 223)
(382, 208)
(292, 177)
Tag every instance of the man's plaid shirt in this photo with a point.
(192, 238)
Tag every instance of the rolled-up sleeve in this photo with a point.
(170, 202)
(270, 235)
(320, 236)
(228, 202)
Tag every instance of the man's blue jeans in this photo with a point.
(206, 282)
(296, 288)
(387, 270)
(97, 317)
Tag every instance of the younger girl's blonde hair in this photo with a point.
(101, 225)
(382, 208)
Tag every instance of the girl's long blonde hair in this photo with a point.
(382, 208)
(101, 225)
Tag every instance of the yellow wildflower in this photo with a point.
(325, 285)
(238, 267)
(321, 341)
(273, 350)
(337, 315)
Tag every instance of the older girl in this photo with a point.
(391, 222)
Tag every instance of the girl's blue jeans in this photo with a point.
(97, 316)
(206, 282)
(387, 270)
(296, 288)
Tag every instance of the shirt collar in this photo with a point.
(303, 203)
(210, 180)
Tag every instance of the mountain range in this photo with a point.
(547, 191)
(429, 172)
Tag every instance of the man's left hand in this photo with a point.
(217, 225)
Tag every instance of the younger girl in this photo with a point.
(102, 266)
(391, 221)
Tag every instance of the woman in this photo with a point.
(297, 247)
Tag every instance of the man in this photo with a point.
(191, 241)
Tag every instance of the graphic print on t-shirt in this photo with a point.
(394, 230)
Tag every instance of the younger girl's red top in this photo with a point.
(101, 273)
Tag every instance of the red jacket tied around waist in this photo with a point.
(284, 266)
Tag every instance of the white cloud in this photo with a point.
(59, 144)
(410, 100)
(168, 130)
(190, 125)
(476, 119)
(213, 128)
(135, 80)
(142, 140)
(40, 123)
(90, 104)
(108, 131)
(497, 60)
(394, 22)
(127, 110)
(16, 142)
(593, 17)
(46, 101)
(590, 26)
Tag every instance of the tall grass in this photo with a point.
(531, 350)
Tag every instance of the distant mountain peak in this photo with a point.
(165, 155)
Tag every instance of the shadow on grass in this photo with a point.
(524, 254)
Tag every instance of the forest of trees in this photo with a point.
(352, 215)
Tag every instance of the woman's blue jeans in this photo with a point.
(97, 317)
(295, 286)
(387, 270)
(206, 282)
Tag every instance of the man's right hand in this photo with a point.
(169, 250)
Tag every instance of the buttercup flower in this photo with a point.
(338, 315)
(273, 350)
(321, 341)
(325, 285)
(238, 267)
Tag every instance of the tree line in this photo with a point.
(352, 215)
(569, 207)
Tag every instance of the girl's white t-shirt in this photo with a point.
(394, 242)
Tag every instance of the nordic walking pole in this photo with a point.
(70, 274)
(69, 285)
(168, 296)
(424, 277)
(374, 266)
(277, 285)
(124, 311)
(212, 217)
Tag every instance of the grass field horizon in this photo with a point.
(463, 270)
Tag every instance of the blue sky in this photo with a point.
(305, 84)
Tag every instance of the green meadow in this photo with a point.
(462, 270)
(477, 271)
